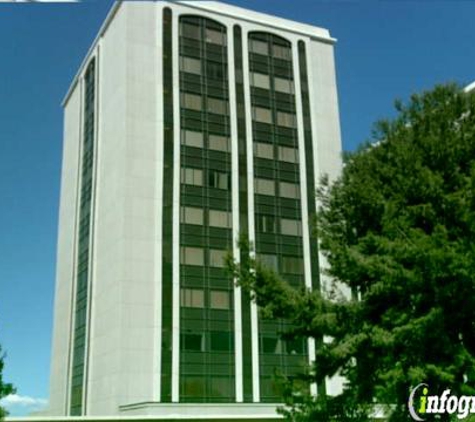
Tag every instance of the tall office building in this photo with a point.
(187, 124)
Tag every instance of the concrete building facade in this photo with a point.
(187, 124)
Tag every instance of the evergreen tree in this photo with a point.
(5, 389)
(398, 229)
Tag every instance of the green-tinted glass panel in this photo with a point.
(207, 339)
(277, 189)
(85, 221)
(168, 160)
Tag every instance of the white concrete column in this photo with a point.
(303, 190)
(238, 363)
(158, 281)
(250, 197)
(175, 382)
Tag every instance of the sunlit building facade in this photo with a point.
(188, 124)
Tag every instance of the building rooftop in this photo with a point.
(224, 9)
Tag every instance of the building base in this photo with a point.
(204, 411)
(171, 412)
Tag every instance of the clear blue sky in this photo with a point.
(386, 50)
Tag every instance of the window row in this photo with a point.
(215, 71)
(289, 264)
(213, 341)
(275, 50)
(268, 224)
(211, 36)
(222, 143)
(223, 219)
(278, 346)
(261, 80)
(195, 298)
(195, 386)
(218, 106)
(268, 187)
(215, 179)
(286, 154)
(216, 218)
(195, 139)
(196, 256)
(264, 115)
(196, 102)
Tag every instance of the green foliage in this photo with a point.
(5, 389)
(398, 228)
